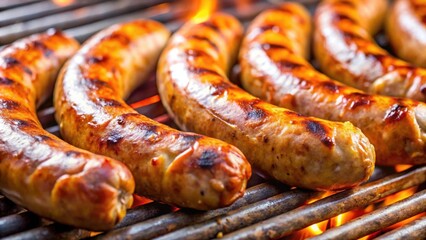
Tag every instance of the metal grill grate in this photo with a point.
(268, 209)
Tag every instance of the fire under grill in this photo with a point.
(391, 205)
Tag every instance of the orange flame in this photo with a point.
(401, 167)
(63, 3)
(205, 8)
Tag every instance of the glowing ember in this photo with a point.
(63, 3)
(146, 102)
(204, 10)
(400, 168)
(139, 200)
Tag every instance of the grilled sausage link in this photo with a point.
(299, 151)
(183, 169)
(346, 51)
(37, 169)
(406, 30)
(274, 69)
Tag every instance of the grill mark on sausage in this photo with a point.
(121, 120)
(8, 104)
(207, 159)
(11, 62)
(343, 17)
(201, 71)
(42, 138)
(96, 59)
(47, 52)
(273, 46)
(121, 38)
(320, 131)
(211, 25)
(347, 3)
(205, 39)
(105, 102)
(148, 131)
(96, 84)
(189, 138)
(251, 110)
(72, 153)
(113, 138)
(396, 113)
(285, 65)
(220, 88)
(20, 123)
(6, 81)
(330, 86)
(357, 100)
(196, 53)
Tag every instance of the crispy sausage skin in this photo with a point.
(273, 68)
(346, 51)
(38, 170)
(183, 169)
(406, 29)
(299, 151)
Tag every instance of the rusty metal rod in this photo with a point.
(50, 232)
(143, 212)
(331, 206)
(169, 222)
(413, 230)
(378, 219)
(244, 216)
(18, 222)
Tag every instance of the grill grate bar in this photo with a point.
(53, 232)
(245, 216)
(16, 3)
(73, 18)
(7, 207)
(18, 222)
(378, 219)
(40, 9)
(332, 206)
(163, 224)
(413, 230)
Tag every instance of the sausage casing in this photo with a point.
(406, 30)
(38, 170)
(183, 169)
(273, 68)
(345, 50)
(299, 151)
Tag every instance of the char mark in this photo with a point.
(189, 138)
(96, 59)
(42, 138)
(6, 81)
(105, 102)
(72, 153)
(356, 99)
(346, 3)
(8, 104)
(205, 39)
(121, 38)
(195, 53)
(207, 159)
(320, 131)
(121, 120)
(330, 86)
(396, 113)
(252, 111)
(47, 52)
(148, 130)
(220, 88)
(23, 123)
(12, 62)
(113, 138)
(343, 17)
(268, 27)
(272, 46)
(201, 71)
(285, 65)
(96, 84)
(211, 25)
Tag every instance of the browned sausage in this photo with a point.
(406, 29)
(183, 169)
(346, 51)
(274, 69)
(299, 151)
(38, 170)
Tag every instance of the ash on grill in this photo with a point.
(391, 205)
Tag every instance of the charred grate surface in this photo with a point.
(267, 210)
